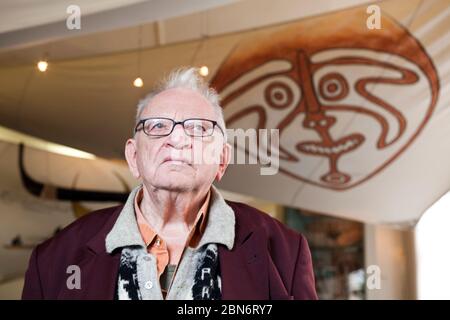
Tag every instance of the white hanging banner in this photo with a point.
(361, 101)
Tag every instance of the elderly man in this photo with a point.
(175, 237)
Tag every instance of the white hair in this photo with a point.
(188, 78)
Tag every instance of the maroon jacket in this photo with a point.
(268, 260)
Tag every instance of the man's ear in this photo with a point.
(225, 158)
(131, 156)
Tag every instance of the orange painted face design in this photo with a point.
(346, 101)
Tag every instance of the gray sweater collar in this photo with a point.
(220, 226)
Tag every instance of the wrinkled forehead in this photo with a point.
(179, 103)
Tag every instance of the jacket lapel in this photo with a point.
(244, 268)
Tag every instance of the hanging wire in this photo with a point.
(203, 37)
(139, 50)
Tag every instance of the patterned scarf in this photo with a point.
(207, 283)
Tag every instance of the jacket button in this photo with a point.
(148, 285)
(147, 258)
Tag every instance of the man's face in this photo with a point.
(178, 162)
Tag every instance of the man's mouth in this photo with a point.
(176, 161)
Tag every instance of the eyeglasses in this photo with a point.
(161, 127)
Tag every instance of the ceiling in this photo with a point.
(86, 99)
(111, 27)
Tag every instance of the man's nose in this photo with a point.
(178, 138)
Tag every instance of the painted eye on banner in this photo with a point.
(333, 86)
(278, 95)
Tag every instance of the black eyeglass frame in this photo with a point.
(174, 123)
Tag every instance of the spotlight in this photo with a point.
(42, 65)
(138, 83)
(203, 71)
